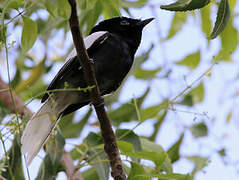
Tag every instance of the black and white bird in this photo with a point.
(111, 45)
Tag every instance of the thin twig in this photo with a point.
(57, 90)
(22, 12)
(12, 19)
(11, 99)
(173, 101)
(109, 138)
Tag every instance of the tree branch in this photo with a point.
(110, 147)
(5, 99)
(2, 178)
(71, 172)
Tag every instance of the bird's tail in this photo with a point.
(38, 129)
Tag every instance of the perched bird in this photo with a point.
(111, 46)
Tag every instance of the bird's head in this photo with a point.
(126, 27)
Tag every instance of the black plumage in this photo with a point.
(111, 46)
(112, 54)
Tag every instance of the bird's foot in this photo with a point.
(91, 60)
(98, 105)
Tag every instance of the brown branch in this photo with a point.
(71, 172)
(5, 98)
(106, 129)
(2, 178)
(20, 108)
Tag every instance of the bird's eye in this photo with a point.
(124, 23)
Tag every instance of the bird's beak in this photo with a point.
(145, 22)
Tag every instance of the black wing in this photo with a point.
(69, 66)
(72, 65)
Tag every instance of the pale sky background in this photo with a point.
(218, 95)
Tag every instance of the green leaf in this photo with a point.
(151, 146)
(29, 34)
(83, 4)
(229, 117)
(90, 174)
(139, 60)
(206, 21)
(2, 36)
(45, 28)
(146, 74)
(35, 90)
(229, 42)
(15, 4)
(56, 146)
(32, 78)
(158, 124)
(187, 100)
(99, 162)
(223, 15)
(130, 137)
(133, 4)
(199, 163)
(51, 164)
(79, 152)
(3, 111)
(64, 8)
(173, 151)
(150, 112)
(153, 111)
(125, 146)
(95, 12)
(17, 78)
(65, 122)
(127, 112)
(191, 61)
(185, 5)
(197, 93)
(222, 152)
(179, 19)
(111, 8)
(58, 8)
(199, 130)
(123, 114)
(15, 161)
(232, 3)
(71, 129)
(141, 99)
(137, 170)
(93, 139)
(49, 170)
(157, 157)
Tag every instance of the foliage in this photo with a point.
(42, 22)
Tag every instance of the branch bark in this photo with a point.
(109, 138)
(20, 108)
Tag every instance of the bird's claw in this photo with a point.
(91, 60)
(98, 105)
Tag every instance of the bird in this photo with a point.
(111, 46)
